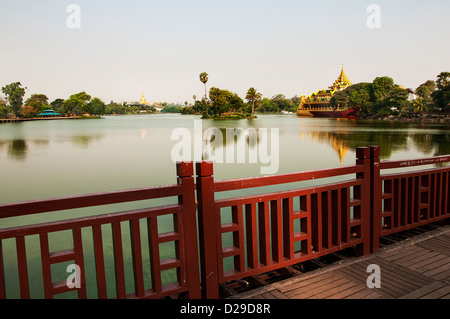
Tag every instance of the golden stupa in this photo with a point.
(143, 101)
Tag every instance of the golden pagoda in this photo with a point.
(341, 82)
(320, 100)
(143, 101)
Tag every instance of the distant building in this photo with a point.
(320, 100)
(143, 101)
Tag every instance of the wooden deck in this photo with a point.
(417, 268)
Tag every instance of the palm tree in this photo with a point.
(204, 79)
(253, 96)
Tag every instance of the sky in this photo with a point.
(159, 47)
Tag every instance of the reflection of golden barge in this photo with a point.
(318, 103)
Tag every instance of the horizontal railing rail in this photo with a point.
(242, 183)
(87, 200)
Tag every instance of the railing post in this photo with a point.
(363, 158)
(375, 198)
(207, 230)
(185, 172)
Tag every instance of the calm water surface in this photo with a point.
(45, 159)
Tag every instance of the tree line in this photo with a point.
(77, 104)
(383, 97)
(222, 101)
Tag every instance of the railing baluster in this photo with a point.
(277, 231)
(99, 261)
(136, 250)
(264, 233)
(153, 245)
(46, 270)
(2, 273)
(336, 214)
(79, 260)
(288, 228)
(251, 231)
(238, 238)
(22, 267)
(118, 260)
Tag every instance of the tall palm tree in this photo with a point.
(253, 96)
(204, 79)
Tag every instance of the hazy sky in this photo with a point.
(160, 47)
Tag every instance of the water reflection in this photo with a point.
(17, 149)
(84, 140)
(390, 136)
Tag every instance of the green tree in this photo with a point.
(441, 97)
(339, 99)
(58, 105)
(280, 102)
(14, 93)
(253, 96)
(267, 106)
(96, 107)
(204, 80)
(77, 104)
(381, 87)
(3, 109)
(425, 89)
(220, 100)
(236, 103)
(36, 102)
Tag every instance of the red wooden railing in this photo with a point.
(185, 232)
(406, 200)
(266, 231)
(262, 226)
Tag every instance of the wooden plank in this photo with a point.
(299, 281)
(317, 288)
(278, 294)
(424, 290)
(438, 293)
(389, 256)
(334, 287)
(414, 260)
(428, 263)
(348, 292)
(365, 294)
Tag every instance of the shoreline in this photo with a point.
(17, 120)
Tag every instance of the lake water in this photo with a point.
(45, 159)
